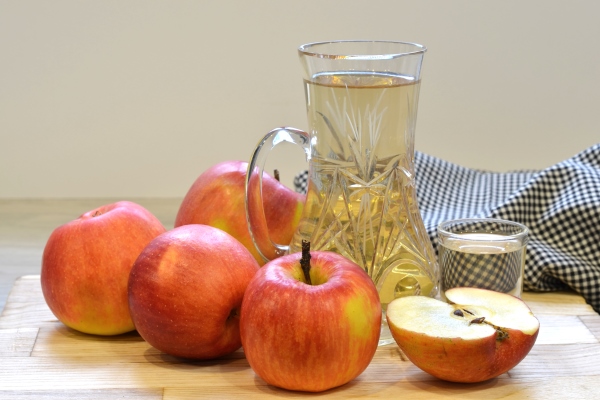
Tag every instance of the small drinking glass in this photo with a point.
(485, 253)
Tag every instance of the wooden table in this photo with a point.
(40, 357)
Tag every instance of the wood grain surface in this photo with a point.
(42, 358)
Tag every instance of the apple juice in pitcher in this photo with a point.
(361, 99)
(361, 199)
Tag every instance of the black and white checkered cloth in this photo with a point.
(500, 272)
(560, 205)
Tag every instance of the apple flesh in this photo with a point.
(218, 198)
(310, 336)
(186, 289)
(86, 265)
(478, 336)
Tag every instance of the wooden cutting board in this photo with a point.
(40, 357)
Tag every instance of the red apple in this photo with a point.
(217, 198)
(310, 336)
(479, 336)
(86, 264)
(186, 290)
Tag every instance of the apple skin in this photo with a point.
(86, 265)
(218, 198)
(186, 289)
(310, 337)
(457, 358)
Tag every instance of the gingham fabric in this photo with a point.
(560, 205)
(499, 272)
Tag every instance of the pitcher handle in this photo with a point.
(255, 212)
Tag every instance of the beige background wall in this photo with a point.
(136, 98)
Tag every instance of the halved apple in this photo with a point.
(477, 336)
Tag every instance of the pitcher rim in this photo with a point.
(304, 50)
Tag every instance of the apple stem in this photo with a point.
(276, 175)
(501, 334)
(305, 261)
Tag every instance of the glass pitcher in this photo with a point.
(361, 99)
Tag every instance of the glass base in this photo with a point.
(385, 337)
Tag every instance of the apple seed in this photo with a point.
(461, 313)
(477, 320)
(501, 334)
